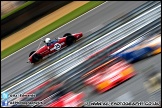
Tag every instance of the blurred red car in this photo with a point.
(55, 96)
(57, 44)
(110, 74)
(70, 99)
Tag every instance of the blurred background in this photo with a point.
(42, 78)
(7, 6)
(15, 15)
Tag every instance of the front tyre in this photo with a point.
(36, 58)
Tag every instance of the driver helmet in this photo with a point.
(47, 40)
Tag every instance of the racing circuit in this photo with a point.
(68, 64)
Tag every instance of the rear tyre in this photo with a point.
(31, 53)
(36, 58)
(67, 34)
(70, 40)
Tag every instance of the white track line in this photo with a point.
(56, 29)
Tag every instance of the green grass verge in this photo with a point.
(17, 9)
(50, 28)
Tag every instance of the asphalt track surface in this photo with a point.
(89, 23)
(132, 89)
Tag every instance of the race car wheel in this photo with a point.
(70, 40)
(36, 58)
(31, 53)
(67, 34)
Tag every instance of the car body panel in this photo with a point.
(146, 48)
(68, 100)
(135, 55)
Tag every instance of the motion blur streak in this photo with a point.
(56, 29)
(139, 28)
(151, 18)
(76, 81)
(13, 68)
(75, 76)
(89, 64)
(83, 42)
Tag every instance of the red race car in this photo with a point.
(57, 96)
(53, 46)
(110, 74)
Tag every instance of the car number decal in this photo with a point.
(57, 46)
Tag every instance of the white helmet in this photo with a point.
(47, 40)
